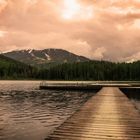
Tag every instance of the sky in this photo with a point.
(98, 29)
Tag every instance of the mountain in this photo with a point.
(8, 61)
(47, 56)
(12, 69)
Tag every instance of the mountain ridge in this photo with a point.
(39, 57)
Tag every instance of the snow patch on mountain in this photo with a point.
(32, 55)
(48, 57)
(29, 51)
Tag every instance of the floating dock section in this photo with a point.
(80, 85)
(109, 115)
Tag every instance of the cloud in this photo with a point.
(111, 31)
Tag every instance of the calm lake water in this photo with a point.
(135, 98)
(27, 113)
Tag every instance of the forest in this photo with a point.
(93, 70)
(11, 69)
(90, 70)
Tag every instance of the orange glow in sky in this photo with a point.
(74, 10)
(98, 29)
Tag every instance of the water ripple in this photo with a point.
(27, 113)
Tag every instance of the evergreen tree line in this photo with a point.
(11, 69)
(92, 70)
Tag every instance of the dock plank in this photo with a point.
(109, 115)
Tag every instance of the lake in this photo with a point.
(27, 113)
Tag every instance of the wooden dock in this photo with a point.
(95, 86)
(109, 115)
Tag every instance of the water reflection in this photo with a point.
(134, 95)
(27, 113)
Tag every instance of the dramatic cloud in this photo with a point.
(103, 29)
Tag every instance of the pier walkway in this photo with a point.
(109, 115)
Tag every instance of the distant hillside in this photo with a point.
(11, 69)
(45, 57)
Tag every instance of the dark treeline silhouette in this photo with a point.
(11, 69)
(92, 70)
